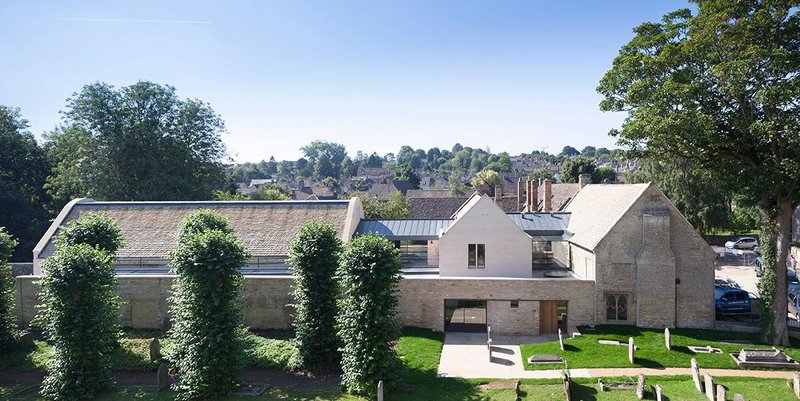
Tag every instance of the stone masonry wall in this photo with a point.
(266, 300)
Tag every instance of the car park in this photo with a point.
(742, 243)
(731, 301)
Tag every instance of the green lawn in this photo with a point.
(585, 352)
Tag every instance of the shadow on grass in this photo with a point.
(583, 392)
(571, 348)
(682, 349)
(649, 363)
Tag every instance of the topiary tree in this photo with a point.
(8, 325)
(79, 314)
(79, 311)
(207, 331)
(369, 273)
(96, 229)
(314, 255)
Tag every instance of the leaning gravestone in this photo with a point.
(709, 384)
(380, 390)
(738, 397)
(720, 392)
(640, 387)
(162, 376)
(658, 392)
(155, 350)
(631, 349)
(667, 339)
(796, 383)
(696, 375)
(560, 340)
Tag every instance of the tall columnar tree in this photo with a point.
(8, 323)
(23, 170)
(79, 311)
(721, 88)
(207, 330)
(139, 142)
(369, 274)
(314, 254)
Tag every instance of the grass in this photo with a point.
(585, 352)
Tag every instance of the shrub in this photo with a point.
(96, 229)
(314, 255)
(207, 333)
(79, 313)
(8, 325)
(269, 353)
(369, 273)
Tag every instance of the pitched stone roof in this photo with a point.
(433, 208)
(562, 194)
(428, 193)
(266, 227)
(597, 208)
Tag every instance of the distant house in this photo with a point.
(620, 254)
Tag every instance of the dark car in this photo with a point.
(731, 301)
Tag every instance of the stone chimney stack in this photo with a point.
(498, 193)
(534, 205)
(584, 179)
(520, 199)
(548, 196)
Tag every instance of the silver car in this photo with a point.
(742, 243)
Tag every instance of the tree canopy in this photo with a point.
(721, 88)
(139, 142)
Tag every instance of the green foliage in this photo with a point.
(767, 284)
(486, 181)
(540, 174)
(228, 196)
(743, 218)
(79, 313)
(325, 157)
(269, 353)
(369, 274)
(96, 229)
(569, 151)
(139, 142)
(314, 255)
(396, 207)
(8, 322)
(270, 192)
(574, 167)
(406, 172)
(604, 174)
(207, 331)
(456, 187)
(23, 170)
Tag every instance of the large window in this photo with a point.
(617, 307)
(476, 258)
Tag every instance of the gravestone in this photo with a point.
(380, 390)
(162, 376)
(738, 397)
(696, 375)
(545, 358)
(796, 383)
(608, 342)
(488, 333)
(659, 393)
(155, 350)
(640, 387)
(631, 349)
(709, 384)
(489, 344)
(560, 340)
(26, 339)
(720, 392)
(667, 339)
(704, 349)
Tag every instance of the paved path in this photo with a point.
(466, 355)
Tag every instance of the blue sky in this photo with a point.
(373, 75)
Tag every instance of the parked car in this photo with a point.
(793, 300)
(792, 280)
(742, 243)
(731, 301)
(757, 250)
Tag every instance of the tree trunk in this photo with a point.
(777, 226)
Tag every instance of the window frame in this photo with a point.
(617, 307)
(476, 256)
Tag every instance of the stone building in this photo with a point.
(618, 254)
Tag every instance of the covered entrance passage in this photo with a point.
(465, 316)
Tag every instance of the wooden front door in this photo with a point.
(548, 317)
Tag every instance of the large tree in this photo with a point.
(23, 170)
(721, 88)
(139, 142)
(333, 152)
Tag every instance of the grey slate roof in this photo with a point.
(543, 224)
(405, 229)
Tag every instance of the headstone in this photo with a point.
(738, 397)
(631, 349)
(658, 392)
(489, 343)
(640, 387)
(720, 392)
(26, 339)
(709, 384)
(796, 383)
(667, 339)
(162, 376)
(704, 349)
(696, 375)
(380, 390)
(155, 350)
(560, 340)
